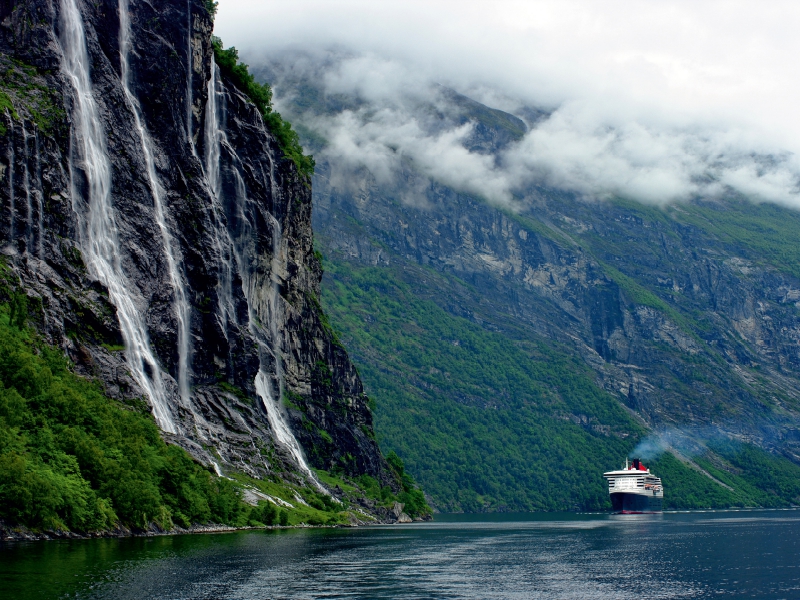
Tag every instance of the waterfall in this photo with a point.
(178, 286)
(11, 160)
(39, 199)
(189, 77)
(214, 137)
(99, 240)
(26, 185)
(263, 298)
(271, 304)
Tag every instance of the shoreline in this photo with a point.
(23, 534)
(10, 534)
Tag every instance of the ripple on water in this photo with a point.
(748, 555)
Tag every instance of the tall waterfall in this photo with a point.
(263, 298)
(189, 78)
(179, 288)
(39, 198)
(99, 239)
(11, 198)
(26, 185)
(214, 138)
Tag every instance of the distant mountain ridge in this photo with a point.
(619, 317)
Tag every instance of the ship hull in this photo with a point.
(631, 504)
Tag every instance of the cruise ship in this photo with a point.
(634, 490)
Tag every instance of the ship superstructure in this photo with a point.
(634, 489)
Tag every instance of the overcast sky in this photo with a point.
(648, 94)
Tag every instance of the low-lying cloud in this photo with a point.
(653, 101)
(381, 140)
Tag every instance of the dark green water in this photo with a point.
(748, 554)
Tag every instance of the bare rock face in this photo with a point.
(165, 241)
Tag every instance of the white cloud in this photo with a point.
(381, 140)
(655, 100)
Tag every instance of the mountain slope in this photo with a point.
(674, 319)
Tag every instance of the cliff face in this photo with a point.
(163, 240)
(682, 327)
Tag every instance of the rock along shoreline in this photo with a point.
(10, 533)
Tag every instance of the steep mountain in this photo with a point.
(161, 237)
(517, 349)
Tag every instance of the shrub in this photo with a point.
(261, 95)
(72, 458)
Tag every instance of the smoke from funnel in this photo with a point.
(687, 442)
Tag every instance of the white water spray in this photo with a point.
(99, 238)
(26, 185)
(39, 198)
(263, 299)
(214, 138)
(181, 304)
(11, 160)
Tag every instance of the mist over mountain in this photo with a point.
(394, 115)
(657, 102)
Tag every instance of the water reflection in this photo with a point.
(696, 555)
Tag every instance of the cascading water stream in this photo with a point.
(181, 304)
(189, 77)
(99, 238)
(26, 185)
(254, 288)
(12, 200)
(214, 137)
(39, 199)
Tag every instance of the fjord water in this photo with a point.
(744, 554)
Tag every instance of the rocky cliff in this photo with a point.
(165, 243)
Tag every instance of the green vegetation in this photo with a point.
(73, 459)
(487, 422)
(491, 118)
(211, 7)
(752, 476)
(6, 106)
(261, 95)
(410, 495)
(315, 508)
(769, 480)
(483, 422)
(24, 94)
(70, 458)
(687, 487)
(765, 232)
(639, 295)
(762, 233)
